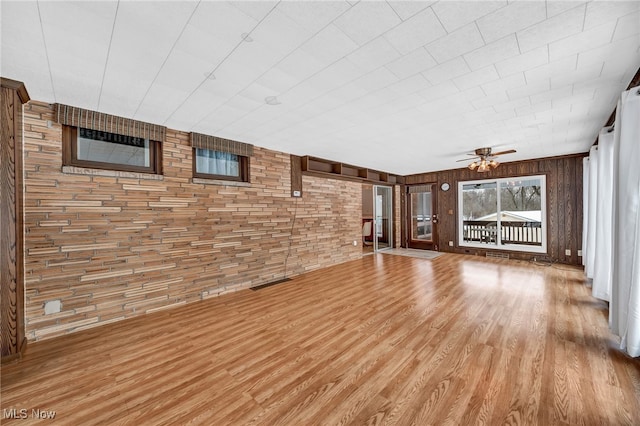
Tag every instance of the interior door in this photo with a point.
(422, 218)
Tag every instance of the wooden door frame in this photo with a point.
(433, 245)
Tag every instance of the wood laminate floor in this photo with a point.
(387, 340)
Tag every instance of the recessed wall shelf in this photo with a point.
(337, 170)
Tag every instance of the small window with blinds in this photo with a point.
(95, 140)
(220, 159)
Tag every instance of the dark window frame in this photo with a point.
(70, 155)
(243, 167)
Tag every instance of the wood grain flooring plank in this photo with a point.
(383, 340)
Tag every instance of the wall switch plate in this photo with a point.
(450, 243)
(297, 194)
(355, 242)
(567, 252)
(580, 253)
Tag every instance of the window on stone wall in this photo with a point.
(105, 150)
(219, 158)
(96, 140)
(220, 165)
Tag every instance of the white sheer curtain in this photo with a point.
(592, 212)
(216, 162)
(602, 267)
(585, 208)
(624, 309)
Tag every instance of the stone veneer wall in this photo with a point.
(112, 247)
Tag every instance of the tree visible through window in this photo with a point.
(507, 213)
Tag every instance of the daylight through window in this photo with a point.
(503, 213)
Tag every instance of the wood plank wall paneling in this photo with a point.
(110, 247)
(13, 95)
(296, 174)
(564, 203)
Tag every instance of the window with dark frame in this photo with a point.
(103, 150)
(96, 140)
(217, 158)
(210, 164)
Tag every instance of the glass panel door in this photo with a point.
(422, 217)
(383, 217)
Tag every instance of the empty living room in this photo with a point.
(320, 212)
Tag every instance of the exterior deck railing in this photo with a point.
(527, 233)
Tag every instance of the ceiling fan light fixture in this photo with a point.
(473, 166)
(494, 164)
(483, 167)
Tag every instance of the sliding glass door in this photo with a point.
(382, 217)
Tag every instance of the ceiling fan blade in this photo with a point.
(466, 159)
(510, 151)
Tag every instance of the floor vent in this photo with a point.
(261, 286)
(497, 255)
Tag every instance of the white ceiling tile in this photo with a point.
(139, 47)
(277, 80)
(447, 71)
(439, 91)
(619, 68)
(491, 53)
(577, 97)
(556, 28)
(456, 14)
(415, 32)
(529, 89)
(586, 40)
(279, 32)
(510, 19)
(455, 44)
(586, 73)
(23, 55)
(313, 15)
(213, 31)
(545, 72)
(159, 103)
(511, 105)
(367, 20)
(628, 26)
(406, 9)
(520, 63)
(255, 9)
(410, 85)
(300, 65)
(88, 53)
(492, 100)
(329, 45)
(374, 54)
(412, 63)
(610, 52)
(476, 78)
(514, 80)
(335, 75)
(375, 80)
(549, 95)
(338, 101)
(599, 12)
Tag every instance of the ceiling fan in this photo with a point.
(485, 159)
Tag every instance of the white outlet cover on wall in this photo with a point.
(52, 307)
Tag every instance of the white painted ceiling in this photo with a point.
(400, 86)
